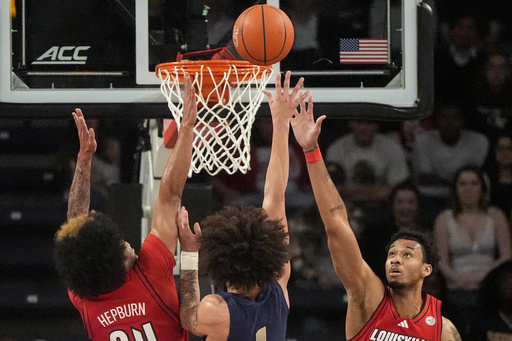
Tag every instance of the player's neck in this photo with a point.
(251, 293)
(408, 302)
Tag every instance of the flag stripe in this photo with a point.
(363, 51)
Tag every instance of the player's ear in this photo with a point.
(426, 270)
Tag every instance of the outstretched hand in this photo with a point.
(189, 103)
(305, 129)
(188, 240)
(86, 136)
(284, 103)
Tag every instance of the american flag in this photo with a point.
(363, 51)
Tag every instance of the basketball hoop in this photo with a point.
(228, 95)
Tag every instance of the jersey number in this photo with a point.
(147, 331)
(261, 335)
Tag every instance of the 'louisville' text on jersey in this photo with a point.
(384, 335)
(121, 312)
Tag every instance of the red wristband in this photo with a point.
(313, 156)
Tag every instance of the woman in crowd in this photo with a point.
(472, 238)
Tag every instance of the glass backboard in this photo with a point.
(365, 58)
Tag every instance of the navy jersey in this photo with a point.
(261, 319)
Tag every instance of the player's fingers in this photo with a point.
(75, 118)
(197, 229)
(278, 83)
(302, 106)
(298, 86)
(304, 95)
(268, 94)
(310, 104)
(319, 121)
(183, 218)
(92, 135)
(287, 81)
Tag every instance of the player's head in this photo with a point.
(469, 187)
(91, 256)
(239, 247)
(410, 258)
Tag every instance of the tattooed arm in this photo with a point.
(80, 192)
(449, 333)
(364, 288)
(209, 316)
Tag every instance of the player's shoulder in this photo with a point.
(449, 332)
(213, 314)
(215, 306)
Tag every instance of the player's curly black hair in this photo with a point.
(430, 255)
(89, 255)
(241, 247)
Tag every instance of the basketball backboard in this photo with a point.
(105, 52)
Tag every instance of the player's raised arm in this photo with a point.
(359, 280)
(80, 191)
(283, 106)
(175, 174)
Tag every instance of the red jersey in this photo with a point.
(145, 307)
(386, 324)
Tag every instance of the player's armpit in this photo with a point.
(450, 332)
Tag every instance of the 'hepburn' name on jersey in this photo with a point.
(384, 335)
(121, 312)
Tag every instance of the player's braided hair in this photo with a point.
(241, 247)
(89, 255)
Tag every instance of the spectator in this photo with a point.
(492, 95)
(373, 163)
(499, 170)
(458, 61)
(437, 154)
(495, 318)
(472, 238)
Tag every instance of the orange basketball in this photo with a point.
(263, 34)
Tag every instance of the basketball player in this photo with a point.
(375, 312)
(244, 251)
(122, 296)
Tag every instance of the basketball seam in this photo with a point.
(264, 35)
(285, 35)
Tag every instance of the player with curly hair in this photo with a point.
(244, 250)
(121, 295)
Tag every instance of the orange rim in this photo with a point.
(217, 68)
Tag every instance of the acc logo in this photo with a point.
(430, 320)
(63, 55)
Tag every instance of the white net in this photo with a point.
(227, 100)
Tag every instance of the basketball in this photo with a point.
(263, 34)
